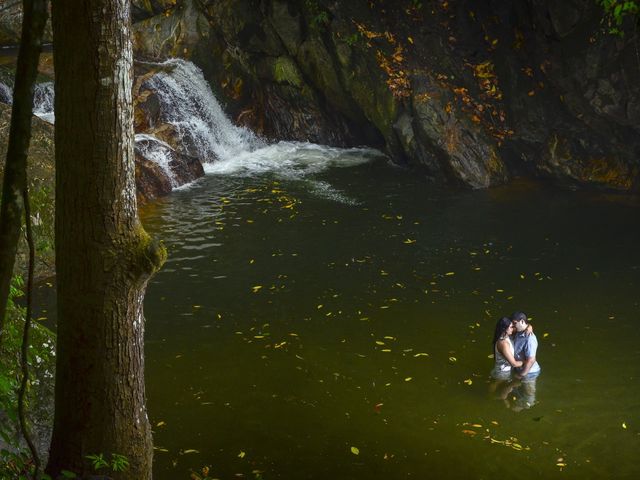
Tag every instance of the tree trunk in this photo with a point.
(103, 256)
(15, 171)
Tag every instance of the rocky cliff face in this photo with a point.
(473, 92)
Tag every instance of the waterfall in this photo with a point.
(6, 94)
(188, 104)
(43, 96)
(158, 152)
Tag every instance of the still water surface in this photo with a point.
(332, 319)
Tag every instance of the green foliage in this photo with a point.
(17, 465)
(16, 461)
(319, 17)
(352, 39)
(616, 12)
(118, 463)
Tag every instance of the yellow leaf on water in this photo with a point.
(476, 425)
(191, 450)
(448, 274)
(241, 454)
(386, 350)
(256, 288)
(409, 241)
(624, 425)
(355, 450)
(408, 379)
(545, 335)
(159, 424)
(379, 342)
(421, 355)
(468, 381)
(453, 359)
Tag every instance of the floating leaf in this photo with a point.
(256, 288)
(624, 425)
(241, 454)
(453, 359)
(468, 381)
(421, 355)
(448, 274)
(159, 424)
(409, 241)
(355, 450)
(408, 379)
(191, 450)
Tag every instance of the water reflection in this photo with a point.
(516, 394)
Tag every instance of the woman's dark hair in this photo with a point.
(501, 328)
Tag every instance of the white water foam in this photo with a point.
(187, 103)
(43, 97)
(157, 151)
(6, 94)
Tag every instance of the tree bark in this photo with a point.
(15, 171)
(104, 258)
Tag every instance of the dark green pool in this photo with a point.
(336, 324)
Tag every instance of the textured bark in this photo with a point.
(103, 256)
(15, 172)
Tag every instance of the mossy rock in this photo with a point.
(285, 70)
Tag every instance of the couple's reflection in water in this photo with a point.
(517, 394)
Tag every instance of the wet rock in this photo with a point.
(172, 33)
(158, 178)
(286, 23)
(574, 163)
(11, 23)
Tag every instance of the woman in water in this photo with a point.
(503, 350)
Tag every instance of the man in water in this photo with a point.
(525, 347)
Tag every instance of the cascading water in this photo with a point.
(204, 131)
(6, 94)
(158, 152)
(43, 97)
(189, 105)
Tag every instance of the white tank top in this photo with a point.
(502, 364)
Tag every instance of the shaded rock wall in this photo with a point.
(474, 92)
(471, 92)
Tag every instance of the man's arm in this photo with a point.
(528, 363)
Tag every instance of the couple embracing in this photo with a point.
(514, 348)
